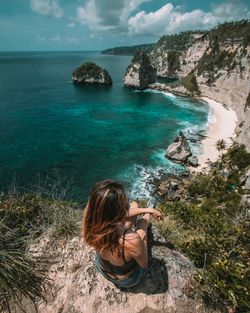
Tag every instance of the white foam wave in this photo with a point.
(211, 117)
(142, 178)
(168, 94)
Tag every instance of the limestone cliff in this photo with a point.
(76, 286)
(140, 72)
(215, 64)
(91, 73)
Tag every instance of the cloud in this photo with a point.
(47, 7)
(58, 39)
(124, 17)
(169, 19)
(232, 10)
(107, 14)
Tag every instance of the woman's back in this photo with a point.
(119, 262)
(121, 252)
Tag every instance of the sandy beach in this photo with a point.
(222, 126)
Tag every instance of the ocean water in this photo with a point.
(51, 129)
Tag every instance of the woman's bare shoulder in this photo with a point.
(132, 238)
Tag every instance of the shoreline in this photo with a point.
(222, 126)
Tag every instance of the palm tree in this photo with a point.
(221, 145)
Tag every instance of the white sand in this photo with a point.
(222, 126)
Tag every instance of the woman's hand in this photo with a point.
(156, 214)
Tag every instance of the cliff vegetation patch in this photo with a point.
(190, 83)
(213, 230)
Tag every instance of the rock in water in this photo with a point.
(179, 150)
(91, 73)
(193, 161)
(140, 72)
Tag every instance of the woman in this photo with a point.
(122, 253)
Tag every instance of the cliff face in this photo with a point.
(140, 72)
(219, 60)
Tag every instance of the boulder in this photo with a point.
(91, 73)
(173, 185)
(162, 189)
(192, 161)
(245, 200)
(179, 150)
(140, 72)
(171, 194)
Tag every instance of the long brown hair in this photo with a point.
(107, 207)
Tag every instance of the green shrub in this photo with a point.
(173, 62)
(238, 156)
(214, 232)
(32, 213)
(23, 217)
(190, 83)
(91, 69)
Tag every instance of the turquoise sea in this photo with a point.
(53, 130)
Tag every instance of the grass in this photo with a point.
(23, 218)
(20, 274)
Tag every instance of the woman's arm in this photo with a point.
(134, 210)
(138, 243)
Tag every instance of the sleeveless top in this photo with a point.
(126, 268)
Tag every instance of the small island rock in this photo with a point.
(140, 72)
(91, 73)
(193, 161)
(179, 150)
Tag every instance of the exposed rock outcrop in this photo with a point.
(91, 73)
(193, 161)
(179, 151)
(76, 286)
(140, 72)
(214, 64)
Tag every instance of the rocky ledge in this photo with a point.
(91, 73)
(140, 72)
(76, 286)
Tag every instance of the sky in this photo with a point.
(35, 25)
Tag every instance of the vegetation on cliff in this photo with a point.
(178, 42)
(212, 228)
(231, 32)
(173, 59)
(140, 73)
(128, 50)
(190, 83)
(91, 73)
(24, 217)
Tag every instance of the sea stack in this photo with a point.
(140, 72)
(91, 73)
(179, 151)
